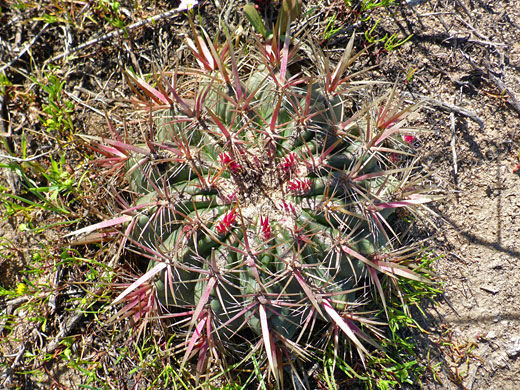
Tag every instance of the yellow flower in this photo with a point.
(21, 289)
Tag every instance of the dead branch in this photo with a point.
(171, 13)
(488, 73)
(448, 107)
(25, 49)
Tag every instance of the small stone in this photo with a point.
(496, 265)
(490, 289)
(502, 362)
(513, 348)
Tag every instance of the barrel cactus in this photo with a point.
(262, 194)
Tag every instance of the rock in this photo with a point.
(491, 335)
(513, 348)
(496, 264)
(490, 289)
(502, 362)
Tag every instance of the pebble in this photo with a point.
(513, 348)
(496, 264)
(502, 362)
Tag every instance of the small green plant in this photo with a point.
(51, 195)
(393, 42)
(110, 11)
(369, 5)
(5, 83)
(330, 28)
(263, 203)
(390, 42)
(410, 74)
(58, 110)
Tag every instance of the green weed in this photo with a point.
(57, 109)
(369, 5)
(391, 42)
(110, 11)
(5, 83)
(331, 29)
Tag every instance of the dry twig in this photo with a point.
(171, 13)
(25, 49)
(9, 372)
(448, 107)
(5, 129)
(488, 73)
(452, 144)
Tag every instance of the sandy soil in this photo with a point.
(467, 54)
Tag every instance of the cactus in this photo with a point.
(263, 201)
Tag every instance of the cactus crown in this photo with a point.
(263, 200)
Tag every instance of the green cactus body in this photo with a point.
(256, 181)
(261, 195)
